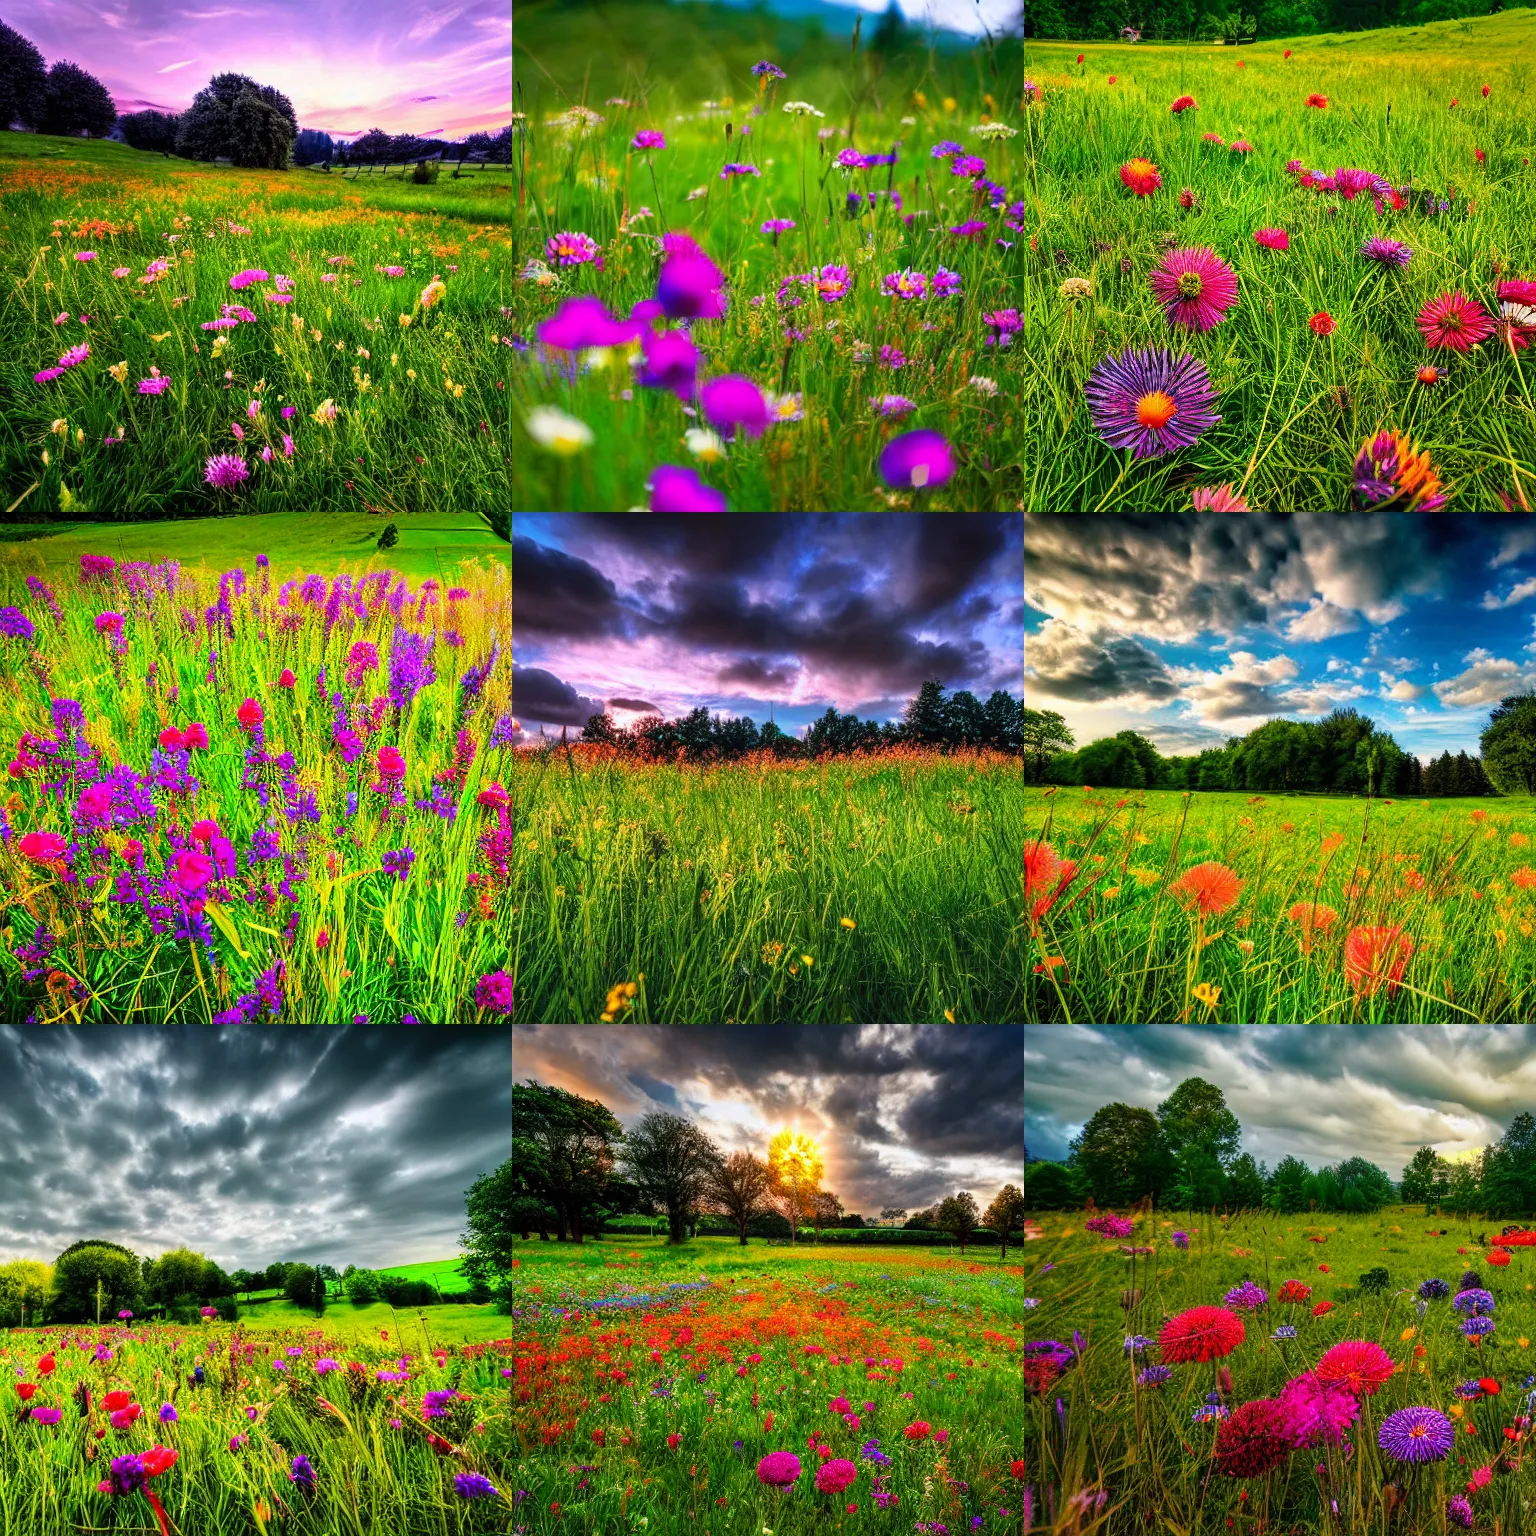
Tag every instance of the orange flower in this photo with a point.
(1524, 877)
(1211, 888)
(1141, 176)
(1047, 875)
(1312, 916)
(1373, 956)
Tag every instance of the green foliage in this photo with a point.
(1509, 744)
(487, 1238)
(77, 102)
(233, 118)
(23, 80)
(1374, 1281)
(425, 172)
(1051, 1187)
(390, 537)
(76, 1273)
(362, 1287)
(150, 130)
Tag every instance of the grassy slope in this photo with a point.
(454, 1321)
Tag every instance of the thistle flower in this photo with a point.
(1454, 321)
(1195, 287)
(1389, 253)
(226, 471)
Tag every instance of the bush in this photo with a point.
(362, 1287)
(426, 171)
(152, 131)
(390, 537)
(1374, 1281)
(229, 1309)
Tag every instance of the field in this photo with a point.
(1441, 115)
(341, 380)
(1343, 911)
(810, 314)
(455, 1321)
(294, 1431)
(330, 849)
(707, 889)
(1104, 1447)
(680, 1371)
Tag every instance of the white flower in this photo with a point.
(697, 193)
(802, 109)
(575, 119)
(982, 384)
(994, 131)
(553, 429)
(704, 444)
(908, 122)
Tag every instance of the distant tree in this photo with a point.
(795, 1171)
(959, 1217)
(826, 1211)
(1051, 1187)
(1003, 717)
(312, 147)
(1245, 1184)
(966, 724)
(304, 1287)
(893, 1213)
(78, 1269)
(737, 1187)
(669, 1159)
(389, 537)
(1045, 735)
(1196, 1114)
(563, 1147)
(1287, 1192)
(1200, 1181)
(77, 103)
(1509, 744)
(926, 718)
(1426, 1179)
(487, 1237)
(361, 1287)
(179, 1272)
(25, 1287)
(149, 130)
(1465, 1190)
(241, 1280)
(600, 728)
(1114, 1151)
(23, 81)
(369, 148)
(234, 118)
(1004, 1215)
(891, 34)
(1509, 1169)
(772, 739)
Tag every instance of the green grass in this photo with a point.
(706, 888)
(1295, 408)
(458, 1322)
(751, 1355)
(445, 1274)
(435, 442)
(1123, 948)
(1141, 1444)
(665, 61)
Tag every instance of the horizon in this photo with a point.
(1193, 629)
(438, 73)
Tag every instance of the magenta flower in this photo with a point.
(157, 384)
(1195, 287)
(671, 362)
(648, 138)
(193, 871)
(1390, 253)
(1272, 239)
(690, 286)
(224, 471)
(584, 322)
(945, 281)
(1150, 402)
(916, 460)
(776, 226)
(906, 284)
(570, 249)
(733, 169)
(830, 283)
(778, 1469)
(734, 401)
(46, 1415)
(109, 623)
(892, 405)
(892, 357)
(237, 282)
(494, 992)
(681, 490)
(835, 1476)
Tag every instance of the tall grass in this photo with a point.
(706, 888)
(1115, 944)
(1295, 407)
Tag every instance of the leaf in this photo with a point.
(222, 918)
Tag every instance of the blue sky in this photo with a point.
(1193, 628)
(786, 612)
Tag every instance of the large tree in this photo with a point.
(25, 1286)
(1287, 1192)
(737, 1187)
(180, 1272)
(487, 1237)
(1509, 745)
(1115, 1152)
(564, 1148)
(150, 130)
(233, 118)
(1509, 1169)
(1426, 1179)
(23, 81)
(1005, 1213)
(83, 1266)
(959, 1217)
(1052, 1187)
(1196, 1114)
(77, 103)
(669, 1160)
(826, 1211)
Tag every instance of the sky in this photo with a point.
(1191, 628)
(440, 69)
(968, 16)
(904, 1115)
(342, 1146)
(797, 612)
(1320, 1094)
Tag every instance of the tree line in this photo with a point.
(1344, 754)
(929, 720)
(95, 1279)
(1185, 20)
(1186, 1157)
(578, 1169)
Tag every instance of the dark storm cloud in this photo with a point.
(540, 695)
(644, 705)
(905, 1115)
(1068, 664)
(555, 593)
(735, 546)
(348, 1146)
(756, 672)
(1320, 1094)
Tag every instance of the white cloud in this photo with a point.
(1487, 679)
(1322, 621)
(169, 68)
(1516, 594)
(1404, 692)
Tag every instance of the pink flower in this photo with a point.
(1272, 239)
(835, 1476)
(287, 680)
(250, 715)
(778, 1469)
(197, 735)
(43, 847)
(204, 831)
(1195, 287)
(193, 870)
(391, 765)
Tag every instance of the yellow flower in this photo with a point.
(1207, 994)
(1111, 892)
(950, 103)
(1407, 1334)
(949, 1013)
(1523, 1343)
(405, 320)
(847, 922)
(808, 959)
(119, 371)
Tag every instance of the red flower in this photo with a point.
(673, 1441)
(1111, 79)
(1017, 1468)
(392, 770)
(172, 739)
(1361, 1366)
(1043, 871)
(1294, 1290)
(1258, 1437)
(287, 680)
(43, 847)
(158, 1459)
(1210, 888)
(1079, 58)
(443, 1448)
(1141, 176)
(1486, 90)
(249, 715)
(1314, 100)
(768, 1425)
(1322, 1269)
(197, 735)
(193, 870)
(1321, 1308)
(322, 938)
(204, 831)
(1455, 321)
(1186, 197)
(1488, 1385)
(47, 1366)
(1498, 1257)
(1200, 1334)
(1182, 104)
(1287, 53)
(1376, 956)
(115, 1400)
(917, 1431)
(25, 1391)
(1323, 324)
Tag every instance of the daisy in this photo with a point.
(1151, 402)
(1455, 321)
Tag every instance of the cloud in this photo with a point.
(644, 706)
(554, 593)
(1402, 690)
(541, 696)
(1321, 621)
(1066, 663)
(1486, 680)
(1516, 594)
(757, 672)
(169, 68)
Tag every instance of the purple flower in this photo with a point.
(399, 862)
(156, 385)
(53, 1415)
(15, 623)
(128, 1476)
(494, 992)
(733, 169)
(569, 248)
(671, 362)
(410, 667)
(917, 460)
(946, 149)
(945, 281)
(892, 357)
(224, 471)
(167, 1414)
(776, 226)
(967, 165)
(1150, 401)
(240, 279)
(689, 286)
(303, 1474)
(1247, 1295)
(1458, 1508)
(1416, 1434)
(969, 230)
(648, 138)
(584, 322)
(831, 283)
(766, 71)
(470, 1485)
(905, 284)
(1390, 253)
(109, 623)
(434, 1405)
(892, 405)
(733, 401)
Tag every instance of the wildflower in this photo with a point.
(733, 169)
(1391, 474)
(776, 227)
(1361, 1367)
(1322, 324)
(836, 1475)
(680, 490)
(766, 71)
(1075, 288)
(648, 138)
(690, 286)
(302, 1474)
(1272, 239)
(1240, 147)
(1141, 176)
(733, 401)
(1195, 287)
(1255, 1439)
(906, 284)
(1218, 498)
(892, 405)
(1200, 1334)
(915, 460)
(1389, 253)
(1151, 402)
(1206, 994)
(42, 847)
(493, 992)
(704, 445)
(945, 282)
(982, 384)
(1454, 321)
(802, 109)
(1186, 197)
(552, 429)
(1416, 1434)
(325, 413)
(471, 1485)
(1210, 888)
(787, 407)
(1247, 1295)
(778, 1469)
(1183, 104)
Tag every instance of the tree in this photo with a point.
(1509, 1169)
(25, 1287)
(1287, 1191)
(177, 1273)
(1114, 1150)
(1426, 1178)
(967, 720)
(152, 131)
(1196, 1114)
(890, 34)
(893, 1213)
(1509, 745)
(361, 1287)
(794, 1175)
(1051, 1187)
(1004, 718)
(77, 103)
(926, 718)
(304, 1287)
(369, 147)
(563, 1147)
(311, 146)
(81, 1266)
(487, 1237)
(233, 118)
(1004, 1214)
(600, 728)
(241, 1280)
(669, 1159)
(826, 1211)
(959, 1217)
(23, 81)
(1245, 1184)
(1199, 1182)
(737, 1187)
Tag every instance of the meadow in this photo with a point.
(1300, 909)
(217, 340)
(252, 797)
(875, 888)
(297, 1430)
(762, 1388)
(839, 229)
(1220, 204)
(1131, 1412)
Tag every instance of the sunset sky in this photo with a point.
(797, 612)
(440, 69)
(1191, 628)
(339, 1146)
(903, 1115)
